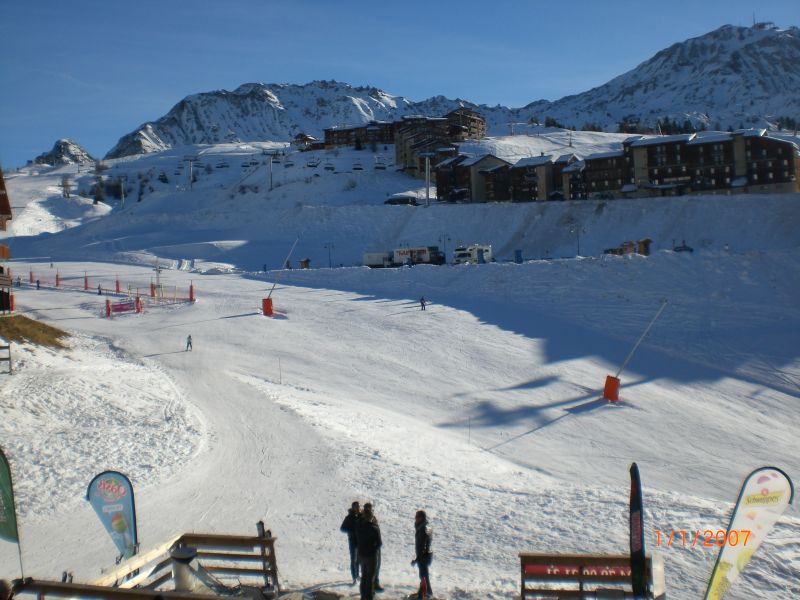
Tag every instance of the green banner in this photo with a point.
(8, 516)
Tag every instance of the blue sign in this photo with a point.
(111, 495)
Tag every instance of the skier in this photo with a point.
(99, 290)
(349, 527)
(188, 343)
(422, 545)
(37, 284)
(368, 540)
(422, 303)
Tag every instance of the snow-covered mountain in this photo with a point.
(731, 77)
(64, 152)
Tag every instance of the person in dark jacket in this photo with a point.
(349, 527)
(422, 546)
(368, 541)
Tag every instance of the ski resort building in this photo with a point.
(745, 161)
(5, 204)
(374, 132)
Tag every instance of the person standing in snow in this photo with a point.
(368, 542)
(422, 303)
(6, 591)
(188, 343)
(349, 527)
(422, 545)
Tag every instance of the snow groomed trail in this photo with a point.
(483, 410)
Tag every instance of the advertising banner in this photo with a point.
(111, 495)
(764, 497)
(8, 515)
(638, 563)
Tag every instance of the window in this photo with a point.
(755, 176)
(769, 175)
(727, 180)
(712, 171)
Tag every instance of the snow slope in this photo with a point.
(484, 409)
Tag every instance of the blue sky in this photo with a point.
(94, 71)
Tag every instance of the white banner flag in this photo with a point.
(764, 497)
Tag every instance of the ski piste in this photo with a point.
(636, 518)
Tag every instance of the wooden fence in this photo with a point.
(233, 561)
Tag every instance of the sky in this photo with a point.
(93, 71)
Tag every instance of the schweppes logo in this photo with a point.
(763, 499)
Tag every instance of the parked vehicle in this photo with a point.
(405, 256)
(473, 254)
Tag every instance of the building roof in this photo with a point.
(715, 137)
(601, 155)
(566, 157)
(575, 167)
(628, 187)
(663, 139)
(474, 160)
(533, 161)
(495, 169)
(750, 132)
(448, 162)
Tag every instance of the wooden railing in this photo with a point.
(231, 560)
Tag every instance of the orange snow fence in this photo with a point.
(266, 307)
(611, 391)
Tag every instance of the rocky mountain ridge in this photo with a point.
(729, 78)
(64, 152)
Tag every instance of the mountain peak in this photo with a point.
(731, 77)
(64, 152)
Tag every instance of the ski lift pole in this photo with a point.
(639, 341)
(288, 256)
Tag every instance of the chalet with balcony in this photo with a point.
(769, 164)
(416, 134)
(374, 132)
(532, 178)
(604, 173)
(5, 203)
(658, 164)
(497, 183)
(465, 124)
(572, 183)
(463, 178)
(303, 142)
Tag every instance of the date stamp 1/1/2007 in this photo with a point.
(710, 538)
